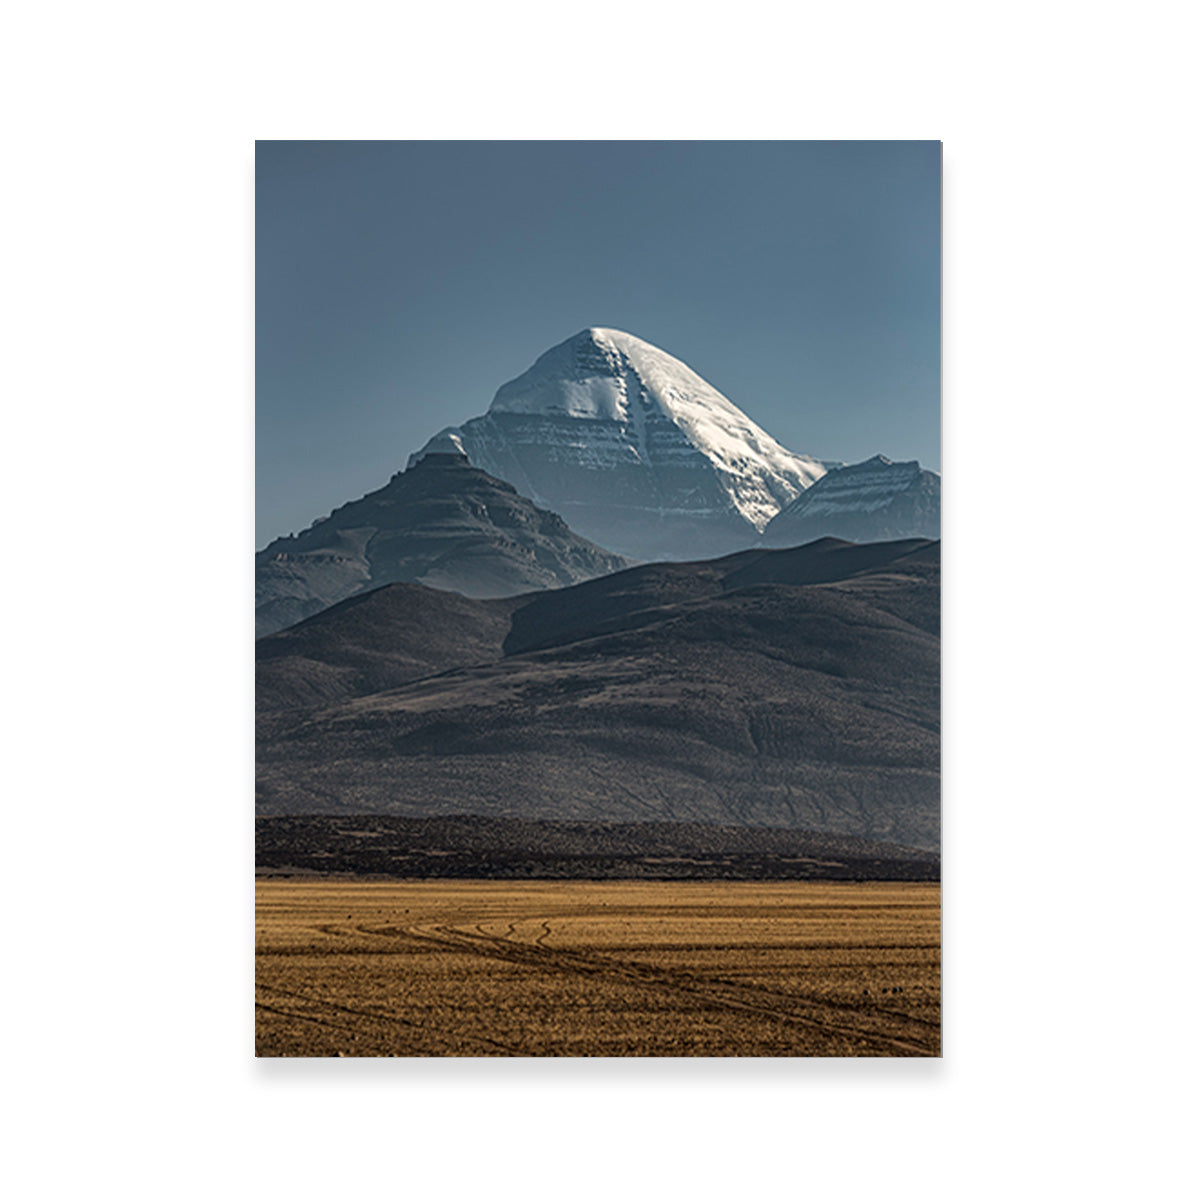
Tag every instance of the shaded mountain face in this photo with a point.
(442, 523)
(870, 501)
(796, 689)
(634, 449)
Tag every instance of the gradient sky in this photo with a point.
(399, 284)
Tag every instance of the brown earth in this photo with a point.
(482, 968)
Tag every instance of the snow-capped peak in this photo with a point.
(600, 373)
(608, 375)
(633, 449)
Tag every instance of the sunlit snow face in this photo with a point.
(606, 375)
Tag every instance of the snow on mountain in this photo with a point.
(634, 449)
(874, 500)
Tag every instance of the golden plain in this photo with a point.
(481, 968)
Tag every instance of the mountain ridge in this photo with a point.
(790, 688)
(634, 448)
(442, 522)
(874, 500)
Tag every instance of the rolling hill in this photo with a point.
(792, 688)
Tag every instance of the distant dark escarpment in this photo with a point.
(441, 523)
(794, 689)
(468, 847)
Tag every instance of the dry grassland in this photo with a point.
(567, 968)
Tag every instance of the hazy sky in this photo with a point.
(399, 284)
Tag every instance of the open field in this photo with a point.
(473, 967)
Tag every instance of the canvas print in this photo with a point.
(597, 599)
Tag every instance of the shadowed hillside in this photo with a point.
(792, 688)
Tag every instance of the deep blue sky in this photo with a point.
(399, 284)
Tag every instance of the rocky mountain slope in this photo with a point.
(634, 449)
(790, 688)
(871, 501)
(443, 523)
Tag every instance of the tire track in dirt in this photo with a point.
(726, 995)
(735, 994)
(385, 1017)
(295, 1016)
(893, 1013)
(291, 1015)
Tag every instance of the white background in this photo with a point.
(1070, 648)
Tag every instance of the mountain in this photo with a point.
(442, 523)
(634, 449)
(871, 501)
(788, 688)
